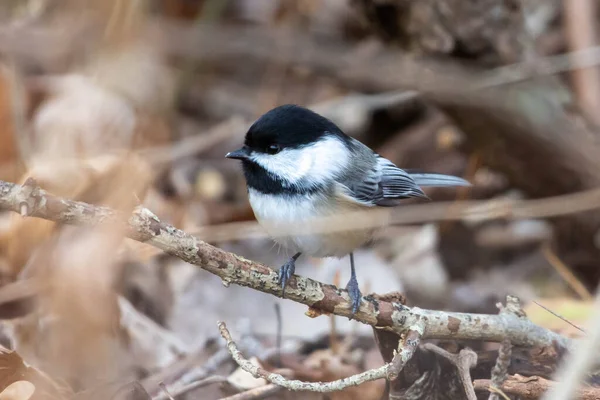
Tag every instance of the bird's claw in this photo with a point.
(285, 273)
(354, 294)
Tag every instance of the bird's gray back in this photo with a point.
(376, 181)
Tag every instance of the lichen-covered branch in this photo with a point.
(391, 315)
(387, 371)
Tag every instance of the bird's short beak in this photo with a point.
(240, 154)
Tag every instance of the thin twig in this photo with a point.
(387, 371)
(500, 370)
(576, 364)
(407, 348)
(499, 392)
(191, 386)
(196, 375)
(565, 272)
(559, 316)
(279, 333)
(159, 156)
(463, 361)
(334, 343)
(163, 387)
(256, 393)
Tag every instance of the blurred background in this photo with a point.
(122, 102)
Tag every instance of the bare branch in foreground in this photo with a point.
(387, 371)
(393, 316)
(472, 210)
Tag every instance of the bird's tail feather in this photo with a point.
(439, 180)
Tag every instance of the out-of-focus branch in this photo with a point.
(532, 388)
(166, 393)
(422, 213)
(580, 23)
(211, 42)
(146, 227)
(332, 57)
(387, 371)
(160, 156)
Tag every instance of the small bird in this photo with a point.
(300, 166)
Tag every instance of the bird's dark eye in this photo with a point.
(273, 149)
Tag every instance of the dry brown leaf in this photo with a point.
(153, 346)
(79, 119)
(9, 151)
(80, 143)
(116, 391)
(19, 390)
(243, 380)
(74, 332)
(121, 97)
(13, 370)
(328, 366)
(86, 122)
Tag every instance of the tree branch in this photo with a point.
(500, 370)
(533, 388)
(463, 361)
(388, 371)
(146, 227)
(261, 392)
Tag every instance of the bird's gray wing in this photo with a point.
(379, 183)
(396, 184)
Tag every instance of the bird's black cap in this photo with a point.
(290, 126)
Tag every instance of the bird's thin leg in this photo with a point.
(286, 271)
(352, 287)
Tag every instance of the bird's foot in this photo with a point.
(285, 273)
(354, 293)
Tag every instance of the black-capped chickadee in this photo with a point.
(300, 166)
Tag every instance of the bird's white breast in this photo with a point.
(282, 216)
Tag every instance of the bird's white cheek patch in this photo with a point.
(305, 163)
(329, 157)
(318, 163)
